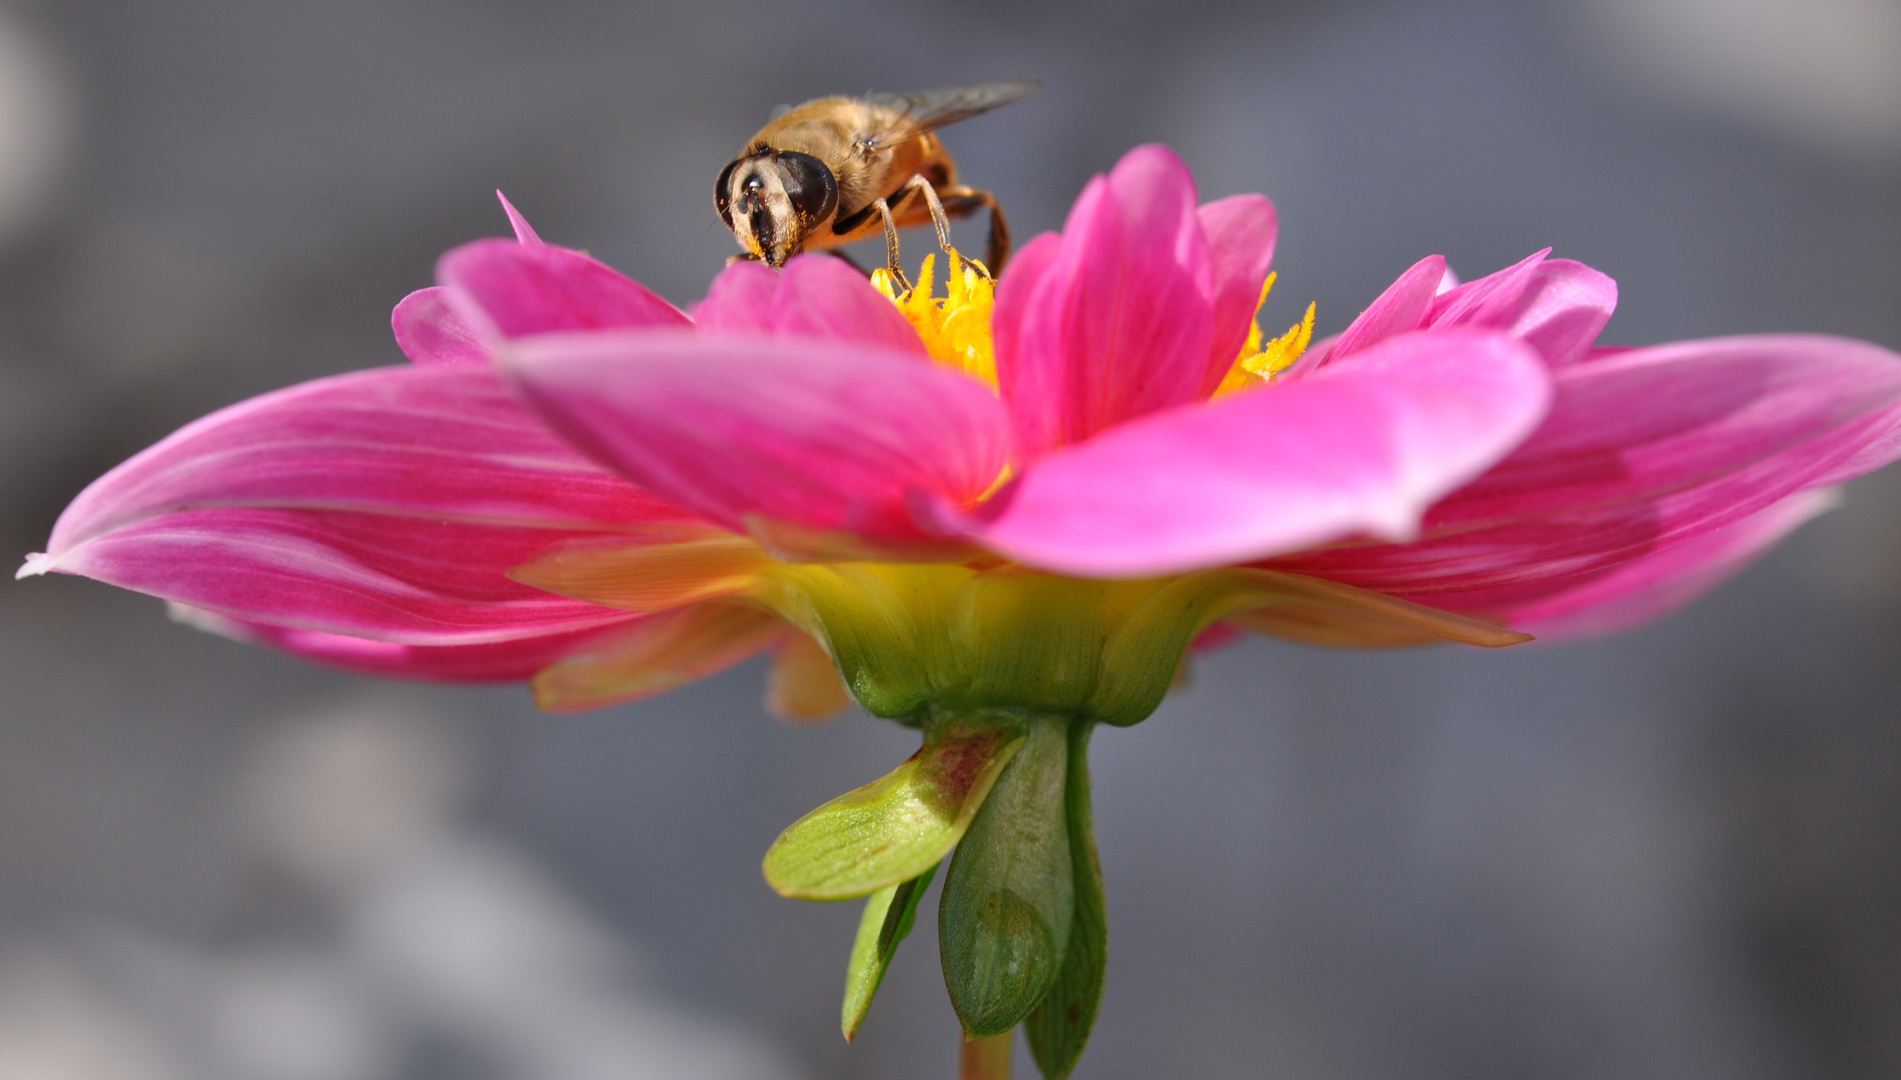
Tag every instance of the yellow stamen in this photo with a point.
(1259, 363)
(1254, 328)
(1280, 354)
(956, 326)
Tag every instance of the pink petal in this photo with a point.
(1657, 421)
(428, 328)
(488, 662)
(1654, 585)
(392, 578)
(385, 503)
(429, 331)
(1241, 232)
(1876, 438)
(519, 289)
(1564, 309)
(1557, 306)
(815, 296)
(524, 232)
(1401, 308)
(1118, 323)
(447, 442)
(1019, 326)
(1361, 447)
(823, 437)
(740, 299)
(1644, 449)
(1490, 302)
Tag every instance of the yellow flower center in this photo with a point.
(1258, 362)
(956, 326)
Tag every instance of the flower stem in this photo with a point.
(987, 1058)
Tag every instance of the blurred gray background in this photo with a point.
(1673, 854)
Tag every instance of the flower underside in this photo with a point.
(910, 637)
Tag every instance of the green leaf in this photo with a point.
(1059, 1028)
(1009, 894)
(897, 827)
(887, 921)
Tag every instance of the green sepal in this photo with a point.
(894, 828)
(887, 921)
(1059, 1028)
(1009, 893)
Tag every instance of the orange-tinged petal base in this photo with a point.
(649, 577)
(1319, 612)
(656, 654)
(804, 686)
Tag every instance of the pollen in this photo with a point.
(1260, 361)
(956, 326)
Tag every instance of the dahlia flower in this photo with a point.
(1001, 517)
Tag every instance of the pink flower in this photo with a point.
(576, 480)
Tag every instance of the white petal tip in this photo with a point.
(37, 563)
(1399, 527)
(209, 621)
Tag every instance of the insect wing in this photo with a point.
(927, 110)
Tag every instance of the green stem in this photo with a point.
(987, 1058)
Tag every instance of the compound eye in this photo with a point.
(721, 189)
(810, 186)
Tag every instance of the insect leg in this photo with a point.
(963, 201)
(891, 247)
(938, 219)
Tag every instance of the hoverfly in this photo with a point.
(838, 169)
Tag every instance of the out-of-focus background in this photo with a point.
(1672, 854)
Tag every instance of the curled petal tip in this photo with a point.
(37, 563)
(430, 330)
(512, 290)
